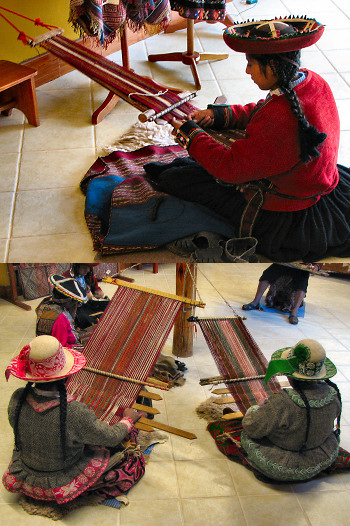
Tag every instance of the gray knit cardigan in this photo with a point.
(273, 435)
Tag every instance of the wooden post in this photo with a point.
(183, 330)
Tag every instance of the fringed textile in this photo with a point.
(96, 19)
(237, 355)
(127, 341)
(105, 20)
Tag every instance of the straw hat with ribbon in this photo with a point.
(278, 35)
(44, 359)
(305, 361)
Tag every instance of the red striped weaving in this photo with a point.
(127, 341)
(117, 79)
(237, 355)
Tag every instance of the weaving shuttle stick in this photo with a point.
(143, 427)
(169, 429)
(151, 396)
(224, 400)
(232, 416)
(154, 382)
(145, 409)
(224, 390)
(151, 115)
(189, 301)
(220, 379)
(36, 41)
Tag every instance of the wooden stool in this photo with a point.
(17, 90)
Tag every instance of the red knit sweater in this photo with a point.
(271, 147)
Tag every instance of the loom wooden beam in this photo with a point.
(183, 299)
(220, 379)
(160, 385)
(169, 429)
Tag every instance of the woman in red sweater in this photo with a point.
(280, 183)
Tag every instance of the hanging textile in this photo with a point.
(237, 355)
(127, 342)
(104, 20)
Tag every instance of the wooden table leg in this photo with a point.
(26, 101)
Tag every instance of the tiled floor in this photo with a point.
(190, 483)
(42, 206)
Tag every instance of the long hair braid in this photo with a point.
(17, 413)
(61, 385)
(285, 66)
(297, 387)
(332, 384)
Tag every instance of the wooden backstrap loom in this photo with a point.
(122, 351)
(239, 360)
(154, 100)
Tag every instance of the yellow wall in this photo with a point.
(53, 12)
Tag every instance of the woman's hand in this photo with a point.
(133, 414)
(203, 118)
(176, 123)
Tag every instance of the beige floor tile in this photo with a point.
(340, 61)
(344, 113)
(218, 511)
(4, 243)
(325, 508)
(336, 38)
(200, 478)
(11, 135)
(202, 448)
(54, 169)
(160, 512)
(58, 247)
(274, 509)
(6, 204)
(246, 484)
(8, 171)
(45, 208)
(159, 482)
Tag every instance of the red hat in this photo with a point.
(45, 360)
(278, 35)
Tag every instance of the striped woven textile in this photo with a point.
(127, 341)
(142, 92)
(237, 355)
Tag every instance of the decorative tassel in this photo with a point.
(310, 138)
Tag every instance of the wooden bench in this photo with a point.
(17, 90)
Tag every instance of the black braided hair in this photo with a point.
(17, 413)
(88, 276)
(297, 387)
(285, 66)
(63, 414)
(332, 384)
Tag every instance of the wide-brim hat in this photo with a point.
(305, 361)
(44, 359)
(69, 287)
(278, 35)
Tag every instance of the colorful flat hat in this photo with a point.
(69, 287)
(305, 361)
(44, 359)
(278, 35)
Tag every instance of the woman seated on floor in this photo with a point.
(56, 313)
(287, 290)
(280, 183)
(88, 313)
(62, 450)
(291, 436)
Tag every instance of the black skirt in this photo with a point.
(317, 232)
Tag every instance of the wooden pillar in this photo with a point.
(183, 330)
